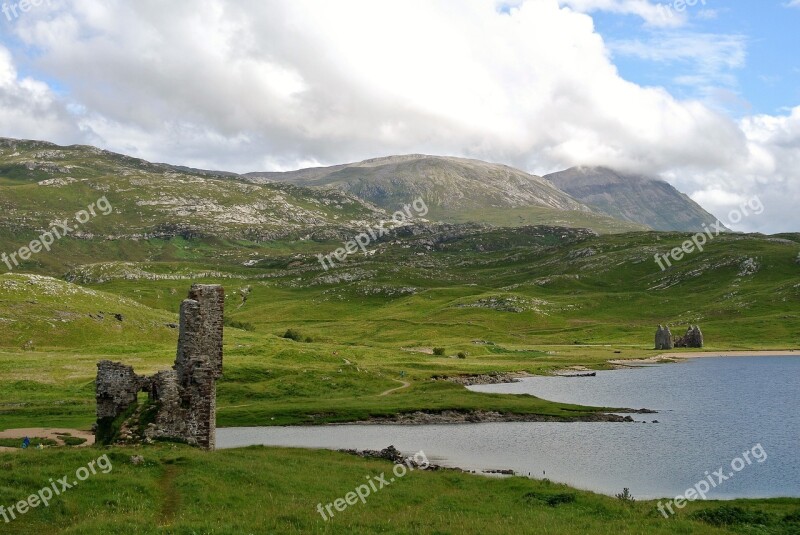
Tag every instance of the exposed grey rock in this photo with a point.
(748, 267)
(516, 304)
(457, 417)
(486, 379)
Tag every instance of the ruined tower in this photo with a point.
(182, 401)
(663, 338)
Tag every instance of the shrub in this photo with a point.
(729, 515)
(292, 334)
(626, 496)
(552, 499)
(792, 517)
(108, 427)
(236, 324)
(438, 351)
(462, 355)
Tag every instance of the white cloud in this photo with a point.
(709, 59)
(770, 172)
(28, 108)
(710, 52)
(708, 14)
(247, 86)
(658, 14)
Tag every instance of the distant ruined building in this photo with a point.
(182, 402)
(693, 338)
(664, 338)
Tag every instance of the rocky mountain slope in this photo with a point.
(445, 183)
(41, 182)
(634, 198)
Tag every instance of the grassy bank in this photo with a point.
(275, 381)
(272, 490)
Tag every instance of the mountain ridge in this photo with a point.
(447, 182)
(633, 197)
(456, 190)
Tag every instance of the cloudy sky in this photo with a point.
(706, 95)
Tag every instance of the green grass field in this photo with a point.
(510, 301)
(178, 490)
(531, 299)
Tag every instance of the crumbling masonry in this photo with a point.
(693, 338)
(182, 401)
(664, 338)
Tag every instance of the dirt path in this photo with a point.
(171, 498)
(47, 432)
(405, 384)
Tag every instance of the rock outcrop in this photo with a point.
(182, 401)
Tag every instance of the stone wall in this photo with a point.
(693, 338)
(665, 340)
(181, 401)
(117, 388)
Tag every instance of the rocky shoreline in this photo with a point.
(481, 416)
(485, 379)
(391, 454)
(395, 456)
(510, 377)
(469, 417)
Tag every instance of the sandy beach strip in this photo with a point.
(668, 357)
(738, 353)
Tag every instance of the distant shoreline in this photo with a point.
(708, 354)
(662, 357)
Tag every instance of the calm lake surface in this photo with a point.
(711, 410)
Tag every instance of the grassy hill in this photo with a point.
(43, 312)
(41, 183)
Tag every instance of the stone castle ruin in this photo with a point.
(664, 338)
(181, 402)
(693, 338)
